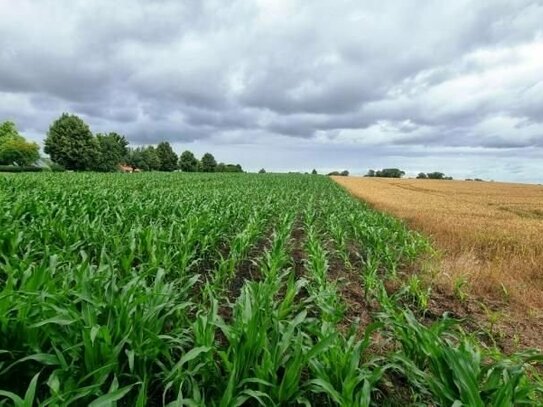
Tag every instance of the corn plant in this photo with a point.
(453, 371)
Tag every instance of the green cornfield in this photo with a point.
(158, 289)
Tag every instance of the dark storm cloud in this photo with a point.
(465, 74)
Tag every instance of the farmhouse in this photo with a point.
(127, 168)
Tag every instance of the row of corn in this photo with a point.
(224, 290)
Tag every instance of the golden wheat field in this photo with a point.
(490, 234)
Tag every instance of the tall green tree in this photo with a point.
(18, 151)
(136, 158)
(151, 158)
(70, 143)
(112, 152)
(143, 158)
(188, 162)
(8, 131)
(208, 163)
(14, 149)
(167, 157)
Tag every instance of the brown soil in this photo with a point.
(298, 256)
(297, 252)
(246, 270)
(490, 320)
(349, 283)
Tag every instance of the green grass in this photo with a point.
(221, 290)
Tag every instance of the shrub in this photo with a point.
(390, 173)
(56, 167)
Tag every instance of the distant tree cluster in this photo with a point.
(313, 172)
(222, 167)
(433, 175)
(386, 173)
(112, 150)
(188, 162)
(71, 144)
(14, 149)
(343, 173)
(143, 158)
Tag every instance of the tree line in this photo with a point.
(433, 175)
(343, 173)
(397, 173)
(386, 173)
(71, 145)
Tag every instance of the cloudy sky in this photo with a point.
(428, 85)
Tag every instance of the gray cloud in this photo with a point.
(328, 77)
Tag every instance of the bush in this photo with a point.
(386, 173)
(18, 151)
(13, 168)
(56, 167)
(433, 175)
(70, 143)
(343, 173)
(390, 173)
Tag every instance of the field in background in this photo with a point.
(491, 234)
